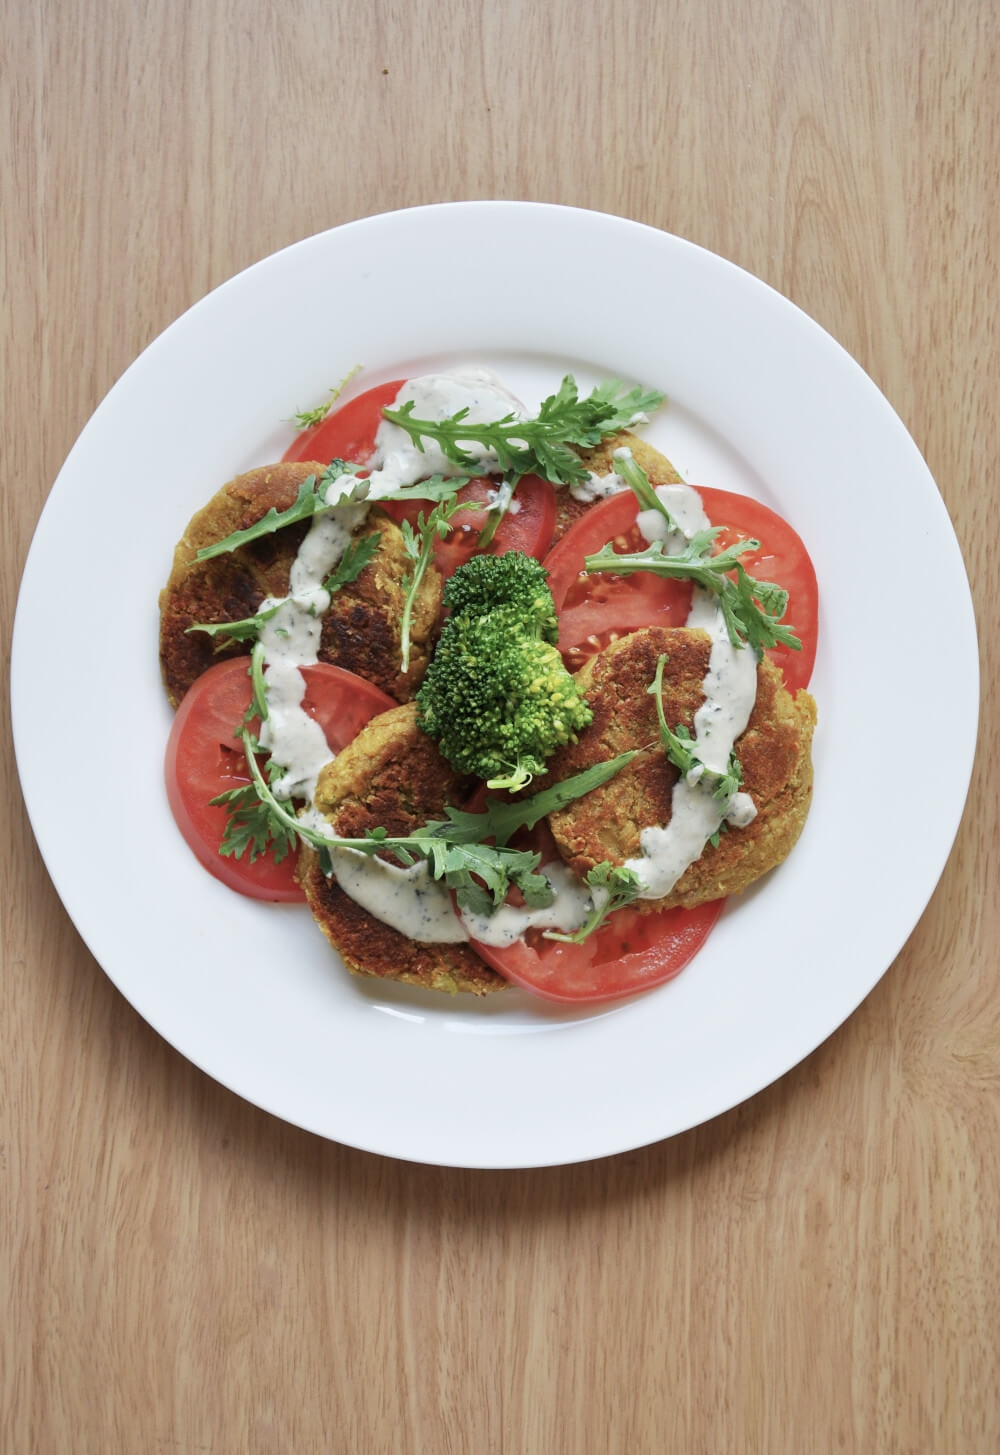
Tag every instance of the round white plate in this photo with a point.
(760, 400)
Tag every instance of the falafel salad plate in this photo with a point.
(506, 695)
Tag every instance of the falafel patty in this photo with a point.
(774, 753)
(393, 777)
(360, 629)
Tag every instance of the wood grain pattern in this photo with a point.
(818, 1270)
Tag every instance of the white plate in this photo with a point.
(760, 400)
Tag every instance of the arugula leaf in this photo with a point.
(612, 887)
(679, 747)
(258, 695)
(435, 487)
(252, 825)
(244, 630)
(539, 446)
(454, 848)
(628, 467)
(353, 562)
(419, 547)
(310, 499)
(502, 502)
(502, 819)
(751, 609)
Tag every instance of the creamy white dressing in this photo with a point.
(290, 640)
(597, 487)
(730, 688)
(409, 899)
(398, 461)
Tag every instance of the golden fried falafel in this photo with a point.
(360, 629)
(774, 753)
(393, 777)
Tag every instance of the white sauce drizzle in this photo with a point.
(597, 487)
(409, 899)
(397, 461)
(730, 688)
(291, 640)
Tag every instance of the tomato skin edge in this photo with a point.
(679, 936)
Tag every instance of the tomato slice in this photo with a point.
(594, 610)
(630, 952)
(204, 759)
(347, 433)
(527, 526)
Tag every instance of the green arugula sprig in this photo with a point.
(635, 477)
(539, 446)
(246, 629)
(470, 852)
(354, 560)
(251, 827)
(612, 887)
(751, 609)
(419, 547)
(310, 499)
(679, 746)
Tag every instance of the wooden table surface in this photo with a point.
(817, 1270)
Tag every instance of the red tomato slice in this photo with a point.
(527, 527)
(594, 610)
(348, 433)
(629, 953)
(204, 759)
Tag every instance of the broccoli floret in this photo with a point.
(511, 579)
(497, 699)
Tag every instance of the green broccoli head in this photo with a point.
(497, 700)
(512, 580)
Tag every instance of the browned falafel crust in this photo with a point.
(391, 776)
(774, 753)
(361, 628)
